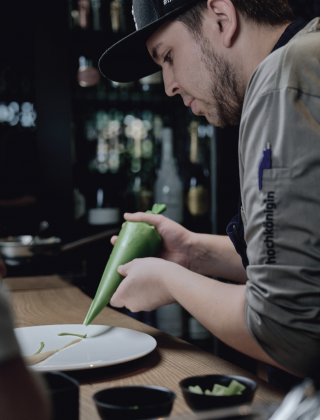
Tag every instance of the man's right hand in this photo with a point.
(176, 240)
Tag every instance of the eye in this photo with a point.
(167, 57)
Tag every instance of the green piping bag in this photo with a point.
(136, 240)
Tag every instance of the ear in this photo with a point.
(225, 15)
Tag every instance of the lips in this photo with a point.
(193, 106)
(188, 102)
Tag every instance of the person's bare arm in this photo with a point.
(220, 308)
(210, 255)
(151, 282)
(214, 255)
(22, 394)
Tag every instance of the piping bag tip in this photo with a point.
(135, 240)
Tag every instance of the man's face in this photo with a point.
(206, 81)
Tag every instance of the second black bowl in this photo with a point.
(198, 402)
(134, 402)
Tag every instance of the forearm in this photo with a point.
(219, 307)
(215, 256)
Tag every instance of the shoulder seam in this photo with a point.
(288, 88)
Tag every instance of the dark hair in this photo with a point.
(267, 12)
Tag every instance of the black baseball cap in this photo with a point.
(129, 59)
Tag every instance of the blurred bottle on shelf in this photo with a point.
(169, 319)
(157, 135)
(152, 87)
(87, 74)
(197, 194)
(120, 91)
(139, 193)
(96, 15)
(79, 203)
(199, 335)
(116, 13)
(84, 13)
(168, 186)
(74, 22)
(73, 18)
(105, 175)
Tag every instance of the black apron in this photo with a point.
(235, 231)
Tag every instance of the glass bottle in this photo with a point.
(197, 201)
(84, 13)
(152, 87)
(139, 194)
(116, 15)
(168, 186)
(96, 15)
(169, 319)
(199, 336)
(87, 75)
(105, 178)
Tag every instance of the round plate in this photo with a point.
(103, 346)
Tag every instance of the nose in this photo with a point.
(171, 86)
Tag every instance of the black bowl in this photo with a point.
(64, 394)
(198, 402)
(134, 402)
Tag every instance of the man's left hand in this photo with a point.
(144, 286)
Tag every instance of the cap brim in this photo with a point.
(129, 59)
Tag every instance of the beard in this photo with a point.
(227, 88)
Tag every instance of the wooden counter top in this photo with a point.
(45, 301)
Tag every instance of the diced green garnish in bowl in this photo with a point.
(234, 388)
(195, 389)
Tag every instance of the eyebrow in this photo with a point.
(155, 50)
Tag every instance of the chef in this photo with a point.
(248, 63)
(22, 394)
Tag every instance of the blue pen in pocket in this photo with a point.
(265, 163)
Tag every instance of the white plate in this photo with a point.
(104, 346)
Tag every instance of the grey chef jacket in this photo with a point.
(282, 220)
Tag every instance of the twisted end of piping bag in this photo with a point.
(157, 209)
(135, 240)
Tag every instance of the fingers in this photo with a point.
(115, 302)
(151, 219)
(113, 240)
(122, 269)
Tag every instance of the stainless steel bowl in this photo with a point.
(17, 249)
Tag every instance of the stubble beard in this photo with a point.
(227, 89)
